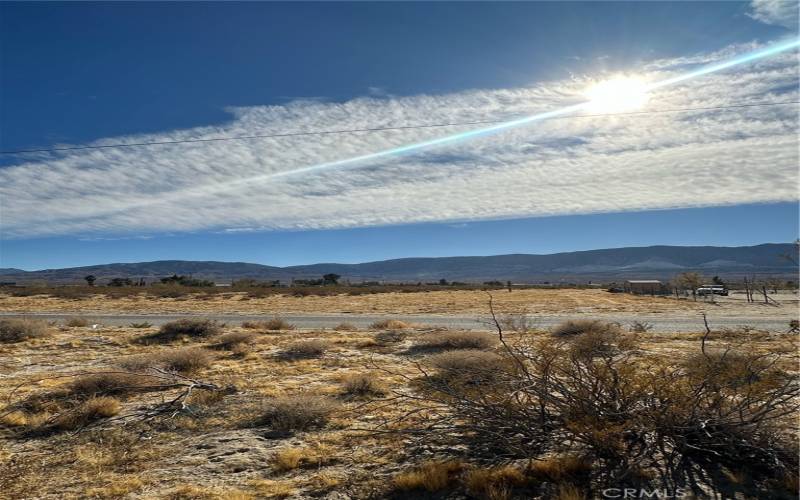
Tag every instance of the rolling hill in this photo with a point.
(616, 263)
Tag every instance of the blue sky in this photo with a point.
(79, 73)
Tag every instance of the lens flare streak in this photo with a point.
(471, 134)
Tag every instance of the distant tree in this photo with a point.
(330, 279)
(185, 281)
(174, 279)
(120, 282)
(691, 281)
(775, 284)
(718, 281)
(90, 279)
(443, 282)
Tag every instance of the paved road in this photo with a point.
(661, 323)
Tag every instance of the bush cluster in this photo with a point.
(17, 330)
(297, 413)
(183, 329)
(588, 391)
(457, 340)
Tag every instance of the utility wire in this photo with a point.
(381, 129)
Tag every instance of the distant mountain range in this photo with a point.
(659, 262)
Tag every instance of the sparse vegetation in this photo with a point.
(457, 340)
(576, 327)
(143, 324)
(540, 415)
(345, 327)
(106, 384)
(389, 324)
(588, 392)
(17, 330)
(77, 322)
(270, 325)
(189, 329)
(430, 476)
(184, 360)
(470, 366)
(306, 349)
(363, 384)
(87, 412)
(390, 337)
(296, 413)
(232, 341)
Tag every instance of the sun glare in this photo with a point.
(617, 95)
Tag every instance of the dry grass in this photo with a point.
(469, 366)
(235, 340)
(107, 384)
(345, 327)
(390, 324)
(297, 413)
(430, 476)
(306, 349)
(17, 330)
(576, 327)
(183, 329)
(270, 325)
(77, 322)
(89, 411)
(390, 337)
(184, 360)
(456, 340)
(495, 483)
(305, 446)
(362, 385)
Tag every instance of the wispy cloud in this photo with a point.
(560, 166)
(778, 12)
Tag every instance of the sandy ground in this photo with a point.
(457, 303)
(213, 452)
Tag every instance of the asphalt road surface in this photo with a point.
(663, 323)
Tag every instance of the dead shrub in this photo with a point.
(143, 324)
(297, 413)
(640, 327)
(390, 337)
(107, 384)
(77, 322)
(574, 327)
(389, 324)
(232, 341)
(469, 366)
(589, 409)
(272, 325)
(87, 412)
(183, 329)
(306, 349)
(457, 340)
(17, 330)
(732, 368)
(345, 327)
(187, 360)
(184, 360)
(430, 476)
(362, 384)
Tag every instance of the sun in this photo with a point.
(617, 95)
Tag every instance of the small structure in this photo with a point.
(645, 287)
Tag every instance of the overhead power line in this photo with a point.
(382, 129)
